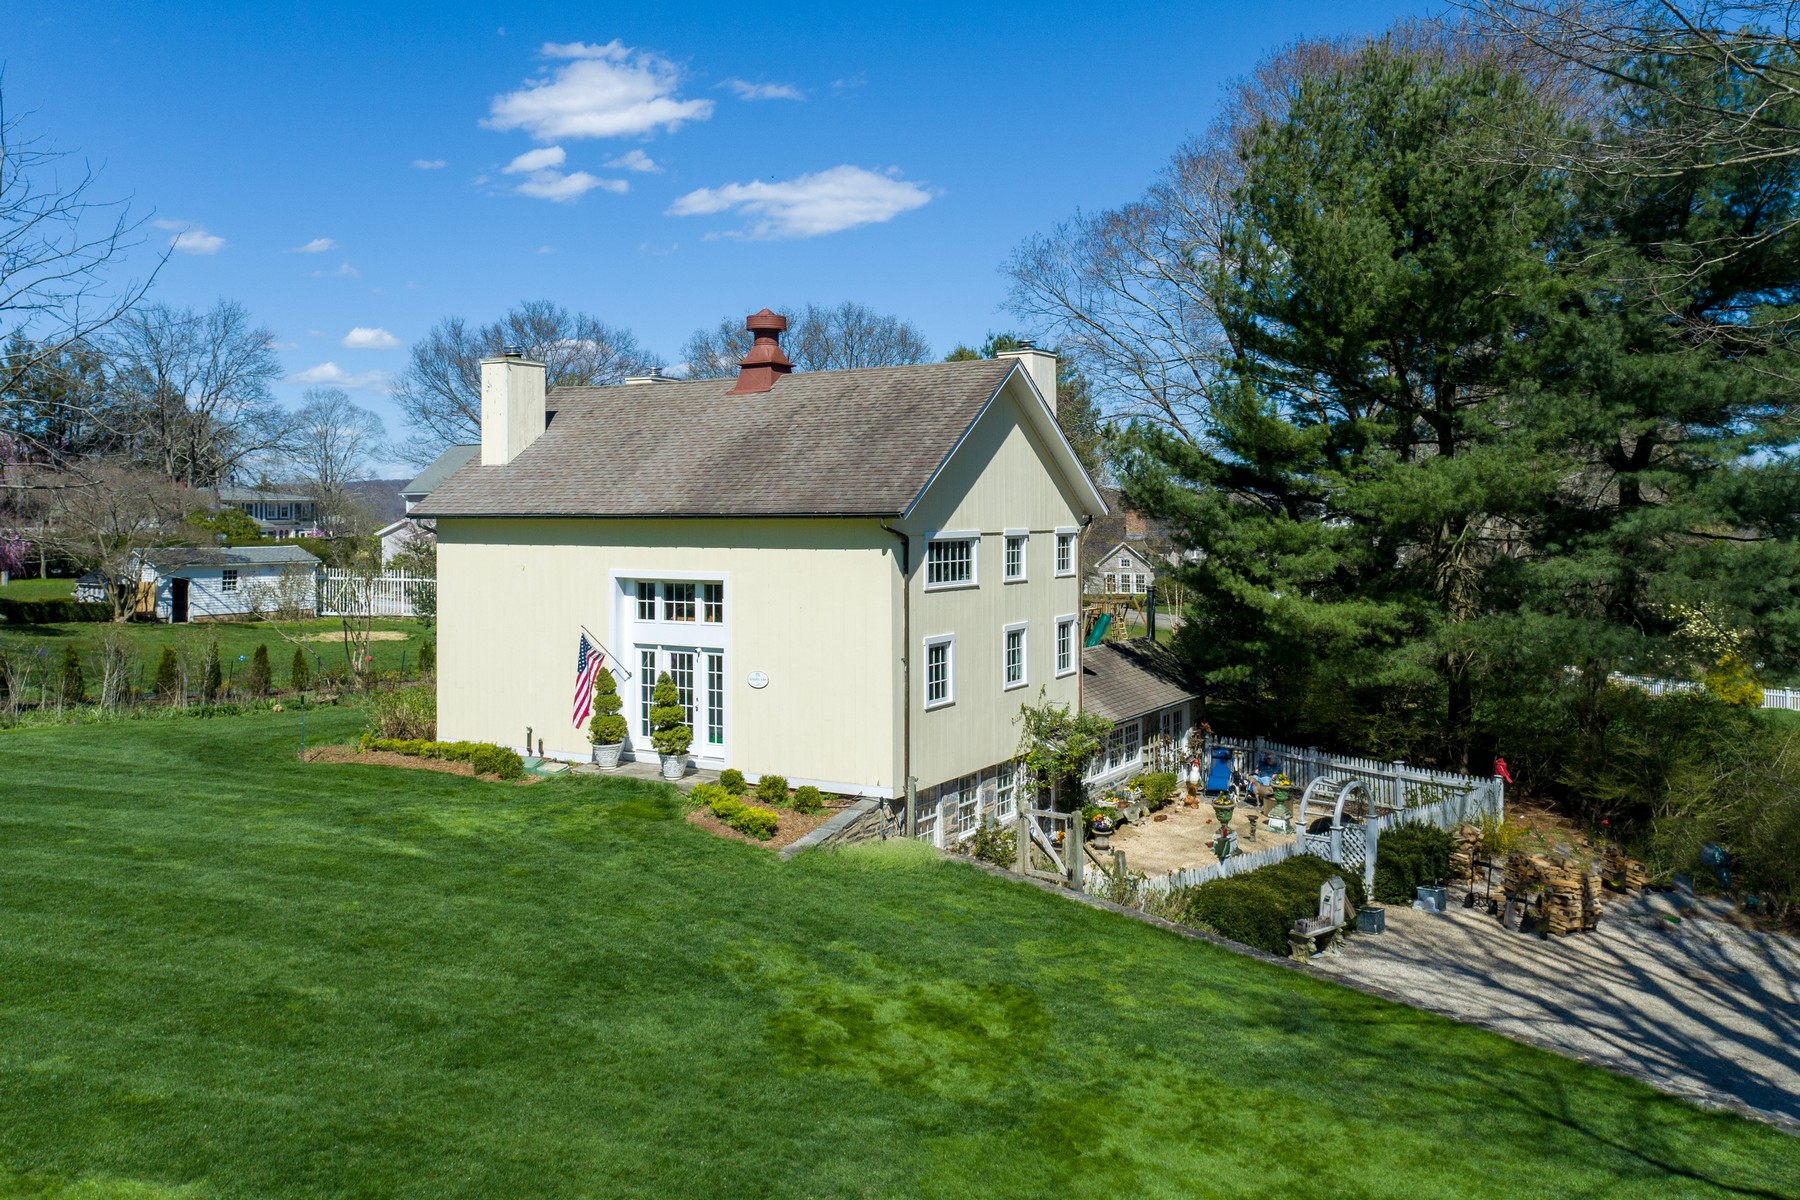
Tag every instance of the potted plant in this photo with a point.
(608, 729)
(1223, 806)
(669, 731)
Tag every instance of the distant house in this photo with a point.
(91, 588)
(396, 537)
(277, 514)
(1124, 551)
(202, 583)
(1124, 570)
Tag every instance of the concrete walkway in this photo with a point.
(1704, 1010)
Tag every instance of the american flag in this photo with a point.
(587, 668)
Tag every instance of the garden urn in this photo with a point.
(673, 765)
(606, 754)
(1222, 809)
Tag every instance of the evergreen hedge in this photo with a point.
(1258, 908)
(1408, 857)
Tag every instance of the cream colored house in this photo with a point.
(856, 578)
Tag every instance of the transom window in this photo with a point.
(1065, 554)
(1065, 645)
(646, 600)
(712, 601)
(1013, 657)
(950, 561)
(1015, 557)
(940, 667)
(678, 601)
(228, 581)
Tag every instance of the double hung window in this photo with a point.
(950, 561)
(1016, 544)
(940, 671)
(1065, 645)
(1012, 666)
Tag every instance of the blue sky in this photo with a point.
(355, 173)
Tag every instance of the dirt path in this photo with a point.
(1707, 1011)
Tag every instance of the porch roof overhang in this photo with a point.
(1123, 680)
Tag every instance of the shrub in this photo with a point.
(995, 843)
(707, 795)
(1157, 788)
(428, 658)
(168, 675)
(1408, 857)
(607, 728)
(212, 679)
(74, 684)
(52, 612)
(258, 678)
(404, 713)
(772, 790)
(1258, 908)
(759, 823)
(497, 760)
(732, 780)
(300, 674)
(669, 731)
(809, 799)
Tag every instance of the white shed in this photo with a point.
(203, 583)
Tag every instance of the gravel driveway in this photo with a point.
(1705, 1010)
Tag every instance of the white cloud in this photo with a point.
(546, 250)
(599, 91)
(535, 160)
(365, 338)
(430, 164)
(824, 202)
(635, 160)
(554, 185)
(316, 246)
(190, 238)
(743, 89)
(343, 271)
(332, 375)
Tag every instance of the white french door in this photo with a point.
(699, 676)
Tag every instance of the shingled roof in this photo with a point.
(1121, 680)
(820, 443)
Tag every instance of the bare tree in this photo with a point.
(330, 444)
(440, 390)
(106, 517)
(59, 243)
(197, 387)
(838, 338)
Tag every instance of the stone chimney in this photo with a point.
(512, 406)
(765, 363)
(1041, 365)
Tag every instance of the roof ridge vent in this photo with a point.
(766, 361)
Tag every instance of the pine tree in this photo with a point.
(258, 678)
(300, 674)
(168, 675)
(212, 678)
(74, 684)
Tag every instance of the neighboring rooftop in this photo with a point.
(248, 495)
(1149, 536)
(1121, 680)
(819, 443)
(441, 468)
(176, 558)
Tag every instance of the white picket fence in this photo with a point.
(390, 594)
(1785, 698)
(1401, 795)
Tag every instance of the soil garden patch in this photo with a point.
(792, 828)
(388, 758)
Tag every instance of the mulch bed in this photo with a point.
(792, 826)
(389, 758)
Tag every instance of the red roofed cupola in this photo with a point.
(766, 362)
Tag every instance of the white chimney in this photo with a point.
(512, 406)
(1041, 365)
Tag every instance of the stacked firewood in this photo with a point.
(1621, 871)
(1465, 859)
(1561, 892)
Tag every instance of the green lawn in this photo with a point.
(235, 639)
(38, 589)
(224, 973)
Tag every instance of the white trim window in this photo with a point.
(950, 560)
(646, 686)
(228, 580)
(1006, 791)
(940, 671)
(1012, 657)
(712, 603)
(1065, 645)
(1124, 560)
(1017, 543)
(646, 600)
(1065, 552)
(678, 602)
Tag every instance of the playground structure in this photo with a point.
(1111, 617)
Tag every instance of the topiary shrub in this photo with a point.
(74, 683)
(733, 781)
(669, 731)
(607, 728)
(1258, 908)
(1157, 788)
(809, 799)
(772, 790)
(168, 676)
(300, 674)
(1409, 857)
